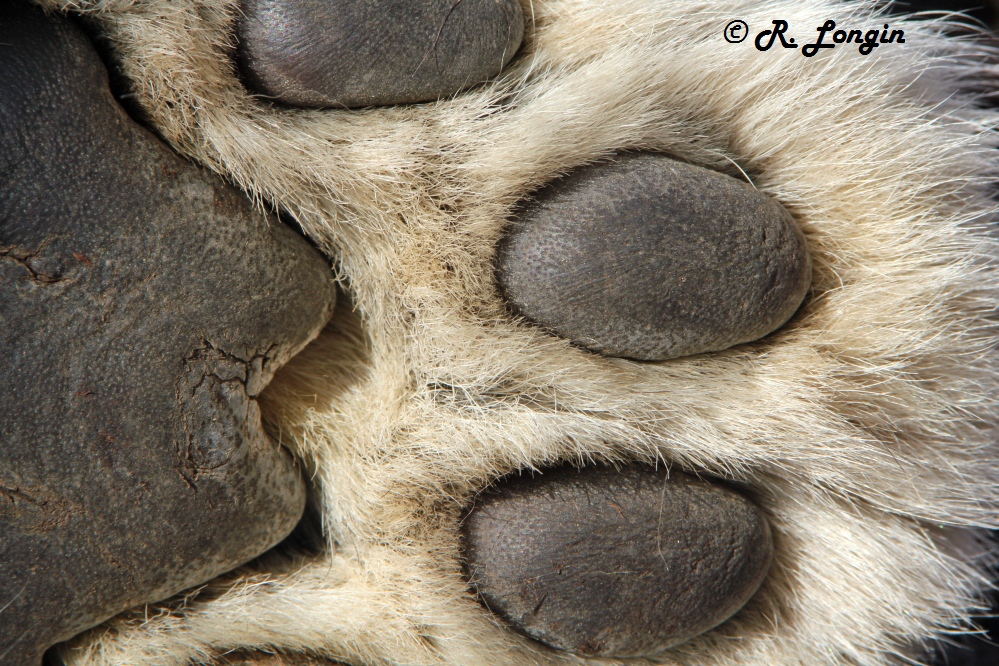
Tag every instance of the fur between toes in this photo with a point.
(863, 428)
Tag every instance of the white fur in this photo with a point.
(864, 427)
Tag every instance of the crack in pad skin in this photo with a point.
(615, 562)
(143, 307)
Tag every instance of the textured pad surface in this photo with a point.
(137, 326)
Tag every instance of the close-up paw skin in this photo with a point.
(615, 562)
(330, 53)
(139, 323)
(494, 332)
(649, 258)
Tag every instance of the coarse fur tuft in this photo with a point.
(864, 427)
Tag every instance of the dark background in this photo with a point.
(966, 650)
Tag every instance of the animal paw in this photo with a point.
(594, 250)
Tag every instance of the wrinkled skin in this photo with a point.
(137, 325)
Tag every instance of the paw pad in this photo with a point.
(340, 53)
(651, 258)
(615, 562)
(143, 307)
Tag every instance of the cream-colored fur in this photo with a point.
(864, 427)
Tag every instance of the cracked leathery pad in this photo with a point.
(137, 326)
(861, 428)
